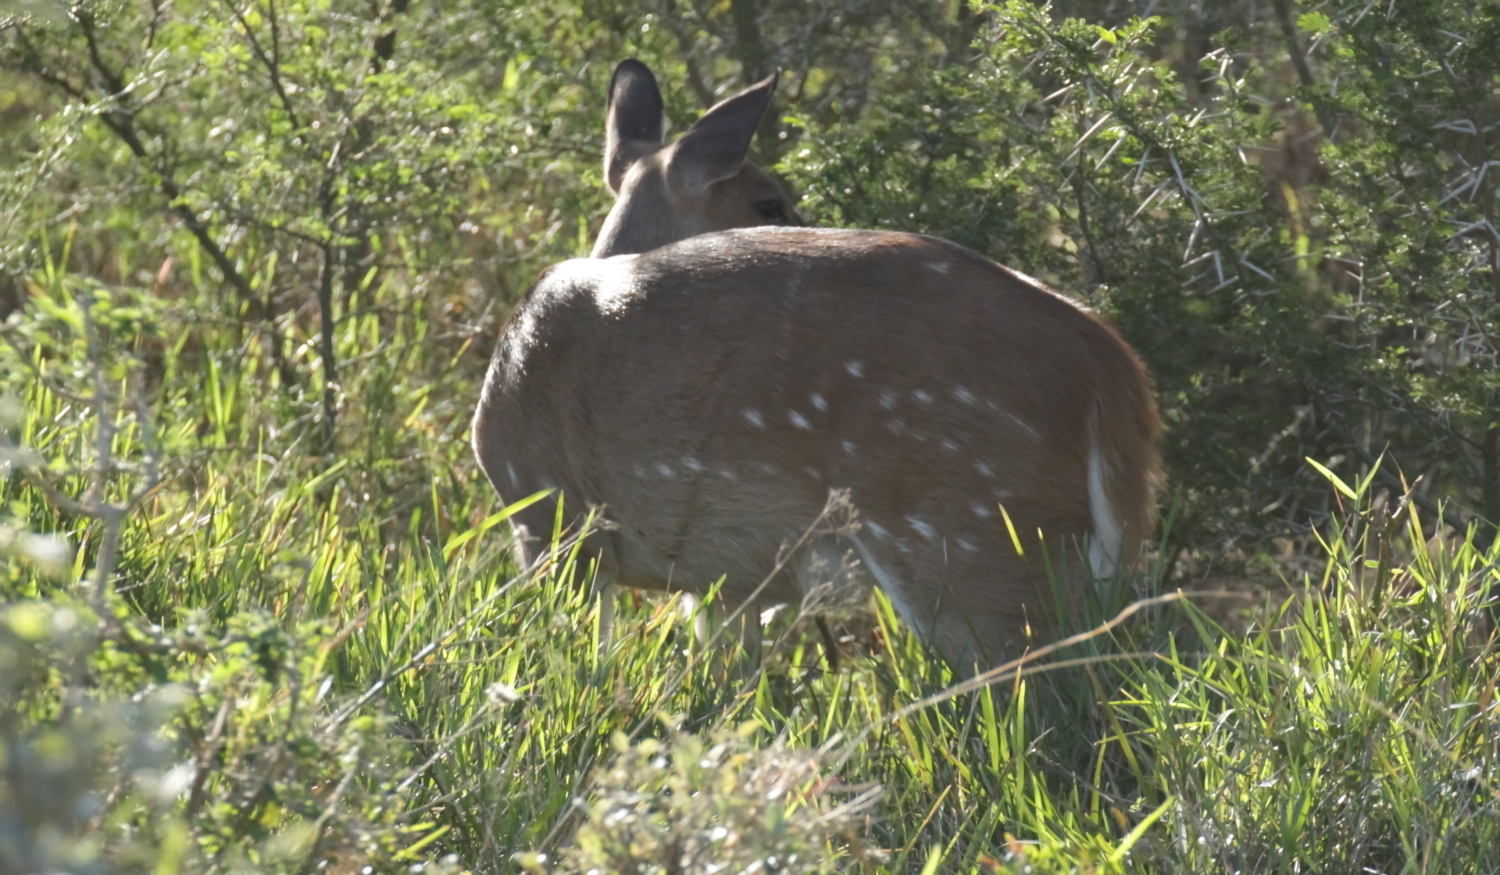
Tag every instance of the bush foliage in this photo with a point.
(255, 608)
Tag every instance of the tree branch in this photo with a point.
(385, 44)
(272, 64)
(1299, 61)
(676, 23)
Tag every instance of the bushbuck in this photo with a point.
(706, 378)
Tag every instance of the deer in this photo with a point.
(714, 368)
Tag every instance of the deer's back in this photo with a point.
(709, 393)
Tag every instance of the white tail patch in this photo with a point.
(1104, 546)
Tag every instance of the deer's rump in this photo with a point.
(709, 394)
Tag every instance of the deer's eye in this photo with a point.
(771, 211)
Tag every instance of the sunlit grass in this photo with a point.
(335, 659)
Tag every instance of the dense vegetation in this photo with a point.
(256, 612)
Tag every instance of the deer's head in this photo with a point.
(699, 184)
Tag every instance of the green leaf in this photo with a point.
(1333, 478)
(1117, 856)
(491, 521)
(1314, 22)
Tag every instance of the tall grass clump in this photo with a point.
(1354, 726)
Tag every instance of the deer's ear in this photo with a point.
(715, 147)
(633, 120)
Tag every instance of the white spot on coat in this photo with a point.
(984, 468)
(849, 447)
(855, 369)
(967, 546)
(877, 530)
(964, 395)
(888, 400)
(1022, 424)
(813, 473)
(981, 510)
(799, 420)
(923, 398)
(511, 470)
(921, 526)
(664, 469)
(896, 426)
(818, 402)
(754, 418)
(949, 446)
(692, 464)
(939, 266)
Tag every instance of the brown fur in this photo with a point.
(710, 392)
(677, 389)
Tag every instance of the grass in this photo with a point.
(310, 662)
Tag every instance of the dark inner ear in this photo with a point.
(633, 119)
(715, 147)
